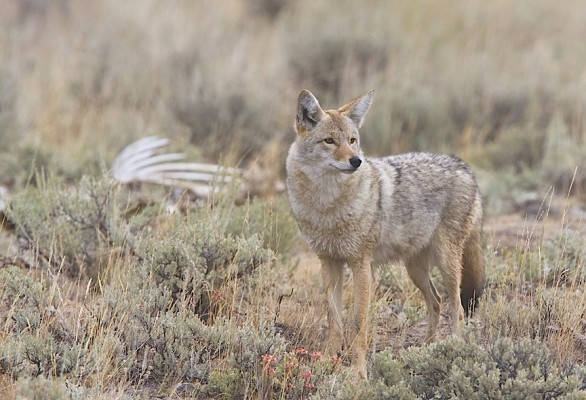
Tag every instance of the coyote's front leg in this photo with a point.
(332, 273)
(362, 274)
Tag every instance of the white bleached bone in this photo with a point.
(145, 161)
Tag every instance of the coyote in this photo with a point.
(419, 208)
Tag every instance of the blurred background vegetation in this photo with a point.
(502, 84)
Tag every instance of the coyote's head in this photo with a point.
(329, 138)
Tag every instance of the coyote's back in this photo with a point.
(419, 208)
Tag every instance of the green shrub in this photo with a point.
(69, 228)
(166, 344)
(188, 276)
(161, 318)
(461, 368)
(271, 220)
(194, 260)
(39, 340)
(44, 389)
(25, 300)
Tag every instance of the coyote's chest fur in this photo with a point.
(334, 220)
(343, 217)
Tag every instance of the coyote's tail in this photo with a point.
(473, 271)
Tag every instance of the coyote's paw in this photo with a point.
(359, 371)
(335, 343)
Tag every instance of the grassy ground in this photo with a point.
(225, 302)
(104, 294)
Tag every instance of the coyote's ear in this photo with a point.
(309, 113)
(357, 108)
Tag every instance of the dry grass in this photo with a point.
(189, 306)
(499, 84)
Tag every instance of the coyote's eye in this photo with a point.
(329, 141)
(352, 140)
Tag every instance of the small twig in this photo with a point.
(278, 310)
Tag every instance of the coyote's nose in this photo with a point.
(355, 162)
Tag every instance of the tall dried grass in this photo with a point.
(486, 81)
